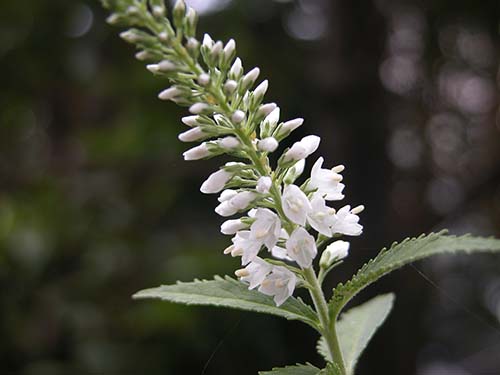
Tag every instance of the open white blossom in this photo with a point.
(266, 228)
(245, 246)
(280, 284)
(320, 217)
(326, 181)
(301, 247)
(295, 204)
(255, 272)
(346, 222)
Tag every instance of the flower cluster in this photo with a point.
(282, 224)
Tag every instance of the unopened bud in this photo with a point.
(199, 108)
(230, 86)
(238, 117)
(203, 79)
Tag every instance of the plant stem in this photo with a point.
(328, 328)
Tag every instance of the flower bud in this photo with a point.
(216, 50)
(230, 227)
(336, 251)
(191, 22)
(196, 153)
(193, 46)
(229, 143)
(242, 199)
(166, 66)
(227, 195)
(286, 128)
(304, 148)
(250, 78)
(191, 120)
(158, 10)
(268, 144)
(230, 86)
(236, 70)
(269, 124)
(229, 50)
(226, 209)
(199, 108)
(192, 135)
(260, 90)
(203, 79)
(266, 109)
(238, 117)
(264, 184)
(169, 93)
(208, 42)
(216, 182)
(163, 36)
(178, 13)
(294, 172)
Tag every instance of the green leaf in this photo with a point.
(306, 369)
(403, 253)
(227, 292)
(356, 327)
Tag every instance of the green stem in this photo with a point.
(328, 329)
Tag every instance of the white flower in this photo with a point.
(334, 252)
(192, 135)
(302, 149)
(242, 199)
(204, 79)
(266, 109)
(301, 247)
(229, 143)
(266, 228)
(191, 121)
(230, 227)
(232, 202)
(280, 284)
(199, 108)
(289, 126)
(255, 272)
(261, 90)
(280, 253)
(216, 182)
(295, 204)
(226, 209)
(245, 246)
(294, 172)
(166, 66)
(230, 86)
(169, 93)
(272, 118)
(327, 181)
(229, 49)
(264, 184)
(227, 195)
(238, 117)
(196, 153)
(208, 42)
(236, 69)
(250, 77)
(321, 216)
(346, 222)
(268, 144)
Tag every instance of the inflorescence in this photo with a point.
(282, 224)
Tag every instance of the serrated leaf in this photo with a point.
(231, 293)
(306, 369)
(403, 253)
(356, 327)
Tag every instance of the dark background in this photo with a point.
(97, 203)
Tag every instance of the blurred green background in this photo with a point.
(97, 203)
